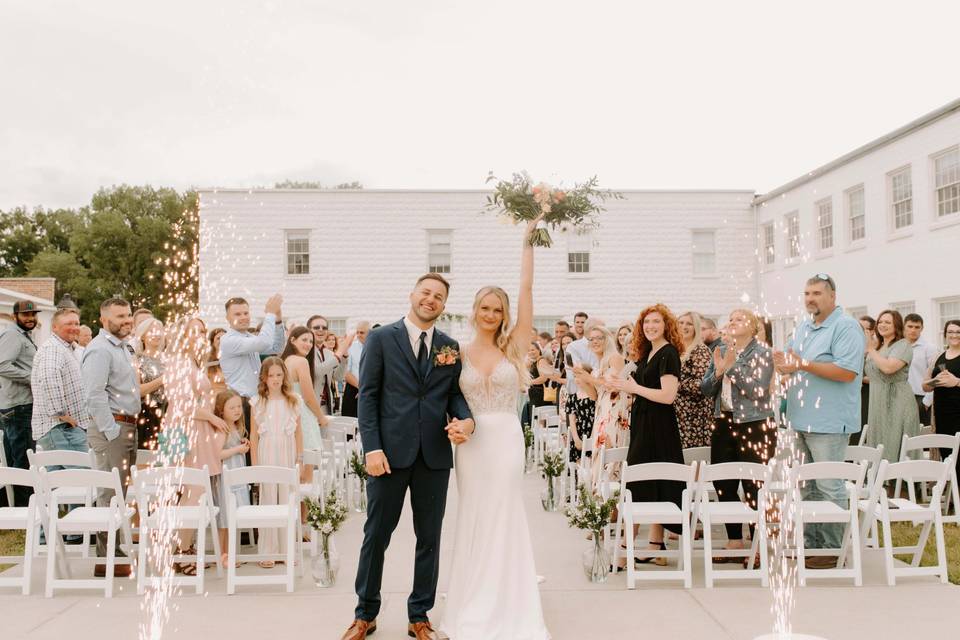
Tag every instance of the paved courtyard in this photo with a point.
(574, 609)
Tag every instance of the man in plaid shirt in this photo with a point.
(60, 416)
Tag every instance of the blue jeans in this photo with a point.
(824, 447)
(63, 437)
(17, 438)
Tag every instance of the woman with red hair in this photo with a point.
(654, 433)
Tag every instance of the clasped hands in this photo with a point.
(459, 431)
(787, 362)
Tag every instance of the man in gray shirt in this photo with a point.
(16, 400)
(113, 400)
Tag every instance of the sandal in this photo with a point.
(267, 564)
(730, 559)
(660, 562)
(188, 569)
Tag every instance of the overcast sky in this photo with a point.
(433, 94)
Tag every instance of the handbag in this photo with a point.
(549, 394)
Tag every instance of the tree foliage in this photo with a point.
(120, 244)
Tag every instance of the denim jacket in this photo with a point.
(750, 378)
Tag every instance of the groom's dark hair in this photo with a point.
(434, 276)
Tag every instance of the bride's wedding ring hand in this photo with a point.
(456, 433)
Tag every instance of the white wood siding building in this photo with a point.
(883, 221)
(353, 255)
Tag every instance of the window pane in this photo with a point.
(439, 250)
(578, 262)
(825, 224)
(298, 253)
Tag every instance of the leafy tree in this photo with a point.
(314, 184)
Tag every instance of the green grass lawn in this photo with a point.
(904, 534)
(11, 544)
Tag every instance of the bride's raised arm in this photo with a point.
(524, 327)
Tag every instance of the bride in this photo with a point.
(493, 592)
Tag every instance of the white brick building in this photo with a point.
(361, 252)
(882, 220)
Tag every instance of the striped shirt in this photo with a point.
(57, 387)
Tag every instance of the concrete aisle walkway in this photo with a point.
(574, 608)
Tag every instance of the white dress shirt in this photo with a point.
(413, 332)
(924, 355)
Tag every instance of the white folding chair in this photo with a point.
(711, 512)
(578, 472)
(636, 513)
(147, 457)
(3, 463)
(113, 520)
(156, 490)
(872, 457)
(863, 435)
(546, 437)
(928, 446)
(538, 414)
(278, 516)
(806, 512)
(888, 510)
(65, 495)
(26, 519)
(611, 459)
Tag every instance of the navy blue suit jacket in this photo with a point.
(398, 411)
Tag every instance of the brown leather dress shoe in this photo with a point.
(119, 571)
(421, 631)
(360, 629)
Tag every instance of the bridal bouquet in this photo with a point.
(520, 200)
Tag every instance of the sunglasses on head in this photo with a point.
(823, 277)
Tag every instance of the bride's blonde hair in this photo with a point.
(513, 350)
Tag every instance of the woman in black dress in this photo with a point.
(945, 375)
(654, 433)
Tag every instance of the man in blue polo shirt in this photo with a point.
(824, 362)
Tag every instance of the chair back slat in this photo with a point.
(696, 454)
(59, 457)
(262, 474)
(670, 471)
(82, 478)
(929, 441)
(919, 470)
(612, 456)
(149, 480)
(734, 471)
(847, 471)
(12, 476)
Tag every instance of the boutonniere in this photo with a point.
(445, 356)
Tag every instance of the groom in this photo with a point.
(409, 385)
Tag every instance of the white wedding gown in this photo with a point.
(493, 593)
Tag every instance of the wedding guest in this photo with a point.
(694, 409)
(823, 365)
(298, 357)
(709, 332)
(59, 411)
(206, 433)
(139, 315)
(351, 375)
(228, 406)
(580, 406)
(924, 355)
(654, 431)
(893, 408)
(240, 350)
(149, 345)
(580, 324)
(611, 424)
(85, 336)
(560, 329)
(276, 440)
(337, 380)
(739, 381)
(543, 341)
(624, 337)
(327, 364)
(869, 326)
(17, 351)
(945, 378)
(112, 396)
(214, 371)
(561, 377)
(537, 379)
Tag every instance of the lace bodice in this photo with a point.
(494, 393)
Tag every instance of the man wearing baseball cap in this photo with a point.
(17, 350)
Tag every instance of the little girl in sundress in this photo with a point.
(228, 406)
(275, 440)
